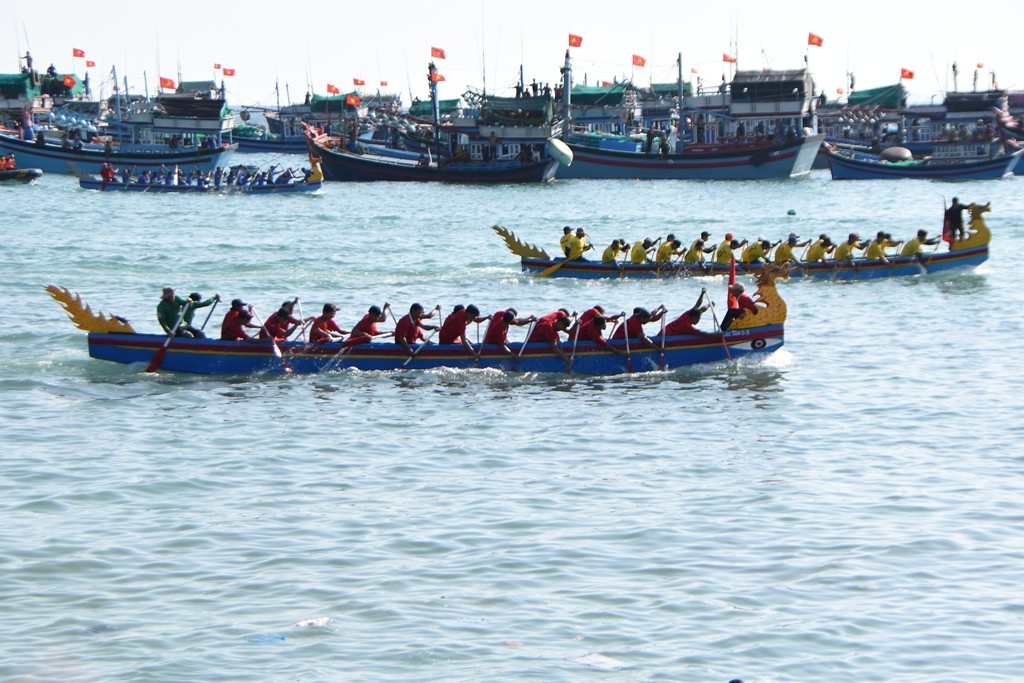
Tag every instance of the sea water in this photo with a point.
(847, 509)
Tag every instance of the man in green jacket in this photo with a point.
(169, 312)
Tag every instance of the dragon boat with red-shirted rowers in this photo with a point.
(112, 338)
(962, 254)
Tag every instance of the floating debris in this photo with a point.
(600, 661)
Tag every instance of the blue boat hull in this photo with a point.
(865, 167)
(862, 269)
(55, 159)
(93, 183)
(788, 160)
(214, 357)
(349, 167)
(293, 144)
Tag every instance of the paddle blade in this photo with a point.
(158, 359)
(551, 269)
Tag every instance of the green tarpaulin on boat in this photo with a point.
(422, 108)
(599, 94)
(888, 97)
(330, 103)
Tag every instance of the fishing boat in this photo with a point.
(512, 141)
(255, 140)
(189, 128)
(288, 182)
(20, 175)
(962, 254)
(112, 338)
(755, 129)
(951, 160)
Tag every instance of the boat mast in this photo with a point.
(679, 63)
(566, 97)
(435, 105)
(118, 98)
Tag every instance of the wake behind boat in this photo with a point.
(112, 338)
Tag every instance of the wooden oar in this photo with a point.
(625, 335)
(572, 356)
(215, 302)
(158, 357)
(714, 317)
(661, 361)
(418, 349)
(273, 342)
(302, 318)
(529, 331)
(547, 271)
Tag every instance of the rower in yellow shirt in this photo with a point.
(876, 247)
(668, 250)
(784, 253)
(913, 246)
(820, 249)
(844, 252)
(757, 251)
(611, 252)
(566, 236)
(724, 252)
(640, 250)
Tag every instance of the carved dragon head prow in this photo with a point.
(518, 247)
(84, 318)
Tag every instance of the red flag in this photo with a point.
(728, 59)
(693, 69)
(814, 39)
(575, 40)
(437, 53)
(229, 72)
(69, 81)
(89, 63)
(358, 81)
(839, 91)
(638, 60)
(333, 89)
(216, 65)
(75, 52)
(605, 84)
(352, 100)
(383, 84)
(906, 73)
(166, 83)
(436, 77)
(980, 65)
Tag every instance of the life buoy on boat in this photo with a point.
(560, 152)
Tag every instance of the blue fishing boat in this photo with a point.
(112, 338)
(754, 129)
(951, 161)
(189, 128)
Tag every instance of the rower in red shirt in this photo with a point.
(547, 328)
(497, 330)
(235, 322)
(281, 324)
(685, 324)
(453, 331)
(634, 325)
(366, 329)
(324, 328)
(591, 331)
(409, 328)
(740, 304)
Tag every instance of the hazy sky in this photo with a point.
(308, 45)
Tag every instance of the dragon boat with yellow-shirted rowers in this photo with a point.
(114, 339)
(962, 254)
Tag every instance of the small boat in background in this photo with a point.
(951, 160)
(20, 175)
(239, 179)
